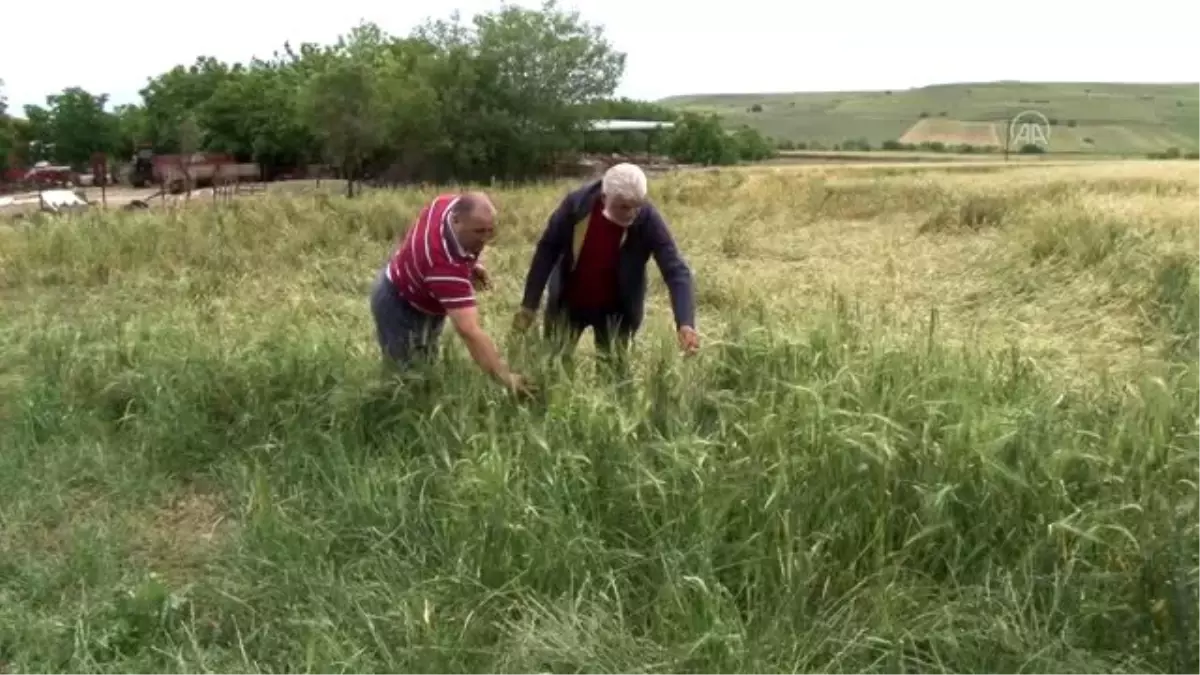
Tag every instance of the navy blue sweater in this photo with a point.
(648, 235)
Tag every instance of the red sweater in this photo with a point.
(593, 283)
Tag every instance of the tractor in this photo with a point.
(142, 172)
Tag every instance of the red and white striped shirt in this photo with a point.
(430, 269)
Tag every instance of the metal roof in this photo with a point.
(629, 125)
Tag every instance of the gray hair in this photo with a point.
(625, 180)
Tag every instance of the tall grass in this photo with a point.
(870, 468)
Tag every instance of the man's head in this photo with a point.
(473, 218)
(623, 191)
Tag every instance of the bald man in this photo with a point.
(433, 274)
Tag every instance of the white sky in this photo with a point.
(673, 46)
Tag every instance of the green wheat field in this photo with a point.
(943, 420)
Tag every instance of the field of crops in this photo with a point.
(943, 420)
(1092, 118)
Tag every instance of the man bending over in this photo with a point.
(433, 274)
(593, 253)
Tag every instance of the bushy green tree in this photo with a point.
(507, 95)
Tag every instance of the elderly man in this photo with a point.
(593, 253)
(432, 275)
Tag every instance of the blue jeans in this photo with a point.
(405, 333)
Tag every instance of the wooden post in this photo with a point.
(100, 175)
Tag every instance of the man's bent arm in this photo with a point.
(549, 247)
(479, 344)
(675, 272)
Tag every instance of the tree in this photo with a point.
(699, 139)
(751, 146)
(170, 97)
(71, 127)
(629, 109)
(548, 58)
(6, 131)
(188, 138)
(505, 95)
(413, 122)
(343, 107)
(252, 115)
(539, 70)
(39, 133)
(130, 124)
(80, 126)
(20, 135)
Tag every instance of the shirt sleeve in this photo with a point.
(451, 287)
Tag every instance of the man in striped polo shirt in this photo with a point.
(432, 275)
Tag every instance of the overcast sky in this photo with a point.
(673, 46)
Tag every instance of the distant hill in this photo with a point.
(1104, 118)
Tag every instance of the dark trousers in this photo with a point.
(405, 333)
(611, 331)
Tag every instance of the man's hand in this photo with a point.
(520, 386)
(481, 347)
(523, 320)
(481, 279)
(689, 340)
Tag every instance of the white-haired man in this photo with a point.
(593, 254)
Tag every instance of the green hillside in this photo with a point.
(1088, 117)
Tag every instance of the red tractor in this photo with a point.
(44, 175)
(200, 169)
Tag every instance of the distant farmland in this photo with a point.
(1130, 119)
(955, 132)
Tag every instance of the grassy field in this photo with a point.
(1107, 118)
(897, 158)
(945, 420)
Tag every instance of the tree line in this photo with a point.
(505, 96)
